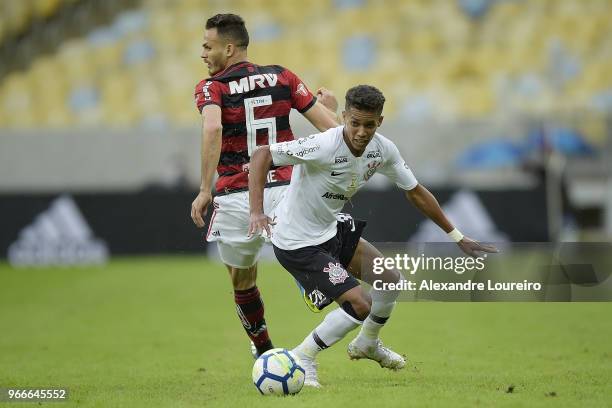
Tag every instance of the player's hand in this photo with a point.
(475, 248)
(260, 222)
(199, 207)
(327, 99)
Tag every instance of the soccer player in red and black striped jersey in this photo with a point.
(244, 105)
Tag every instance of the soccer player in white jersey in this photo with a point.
(323, 248)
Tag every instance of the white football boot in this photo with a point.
(310, 367)
(386, 357)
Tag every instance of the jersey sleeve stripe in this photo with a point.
(310, 105)
(202, 105)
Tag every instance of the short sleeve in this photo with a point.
(301, 97)
(207, 93)
(309, 149)
(396, 168)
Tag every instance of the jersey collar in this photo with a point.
(231, 68)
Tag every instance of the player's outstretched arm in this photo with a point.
(210, 153)
(429, 206)
(261, 161)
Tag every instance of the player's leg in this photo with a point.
(272, 197)
(319, 272)
(367, 343)
(229, 227)
(383, 301)
(334, 327)
(249, 304)
(353, 309)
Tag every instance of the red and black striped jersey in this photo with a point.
(255, 103)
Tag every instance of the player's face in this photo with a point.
(359, 128)
(214, 51)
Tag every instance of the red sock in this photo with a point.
(250, 309)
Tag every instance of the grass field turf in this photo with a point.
(162, 331)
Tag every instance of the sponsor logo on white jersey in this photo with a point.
(279, 147)
(340, 159)
(58, 236)
(305, 139)
(335, 196)
(304, 152)
(373, 154)
(249, 83)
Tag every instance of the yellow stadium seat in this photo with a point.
(474, 99)
(46, 8)
(3, 28)
(17, 101)
(421, 46)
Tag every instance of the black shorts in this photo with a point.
(322, 269)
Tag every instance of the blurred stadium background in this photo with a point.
(502, 107)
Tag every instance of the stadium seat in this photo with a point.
(427, 56)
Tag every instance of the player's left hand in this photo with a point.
(475, 248)
(260, 222)
(327, 99)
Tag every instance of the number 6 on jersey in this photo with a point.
(252, 124)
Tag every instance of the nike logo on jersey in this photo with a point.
(251, 82)
(336, 173)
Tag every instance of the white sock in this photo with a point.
(383, 303)
(332, 329)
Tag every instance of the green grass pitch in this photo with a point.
(162, 332)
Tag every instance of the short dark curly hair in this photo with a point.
(366, 98)
(230, 26)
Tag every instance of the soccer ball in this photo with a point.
(278, 372)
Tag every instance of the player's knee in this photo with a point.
(243, 278)
(391, 276)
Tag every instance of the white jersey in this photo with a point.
(326, 174)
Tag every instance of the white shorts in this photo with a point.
(229, 225)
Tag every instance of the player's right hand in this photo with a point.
(199, 207)
(260, 222)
